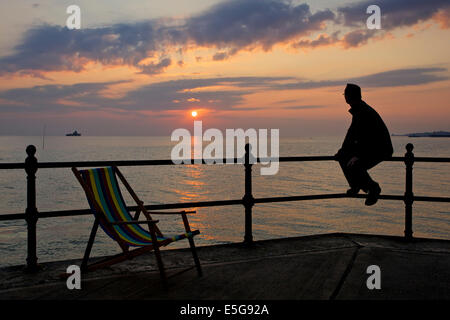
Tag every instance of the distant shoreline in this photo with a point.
(434, 134)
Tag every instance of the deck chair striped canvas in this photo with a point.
(108, 206)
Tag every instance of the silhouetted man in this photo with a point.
(366, 144)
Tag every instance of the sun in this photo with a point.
(194, 113)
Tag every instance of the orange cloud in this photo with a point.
(443, 18)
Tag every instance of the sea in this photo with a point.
(66, 237)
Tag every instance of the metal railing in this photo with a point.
(31, 215)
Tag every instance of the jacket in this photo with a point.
(367, 137)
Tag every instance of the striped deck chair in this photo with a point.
(108, 206)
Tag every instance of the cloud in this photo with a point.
(358, 37)
(399, 13)
(403, 77)
(223, 55)
(61, 98)
(55, 48)
(443, 18)
(160, 96)
(241, 24)
(229, 27)
(394, 14)
(182, 94)
(303, 107)
(155, 68)
(320, 41)
(391, 78)
(220, 56)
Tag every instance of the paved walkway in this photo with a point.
(331, 266)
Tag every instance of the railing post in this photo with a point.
(31, 213)
(409, 195)
(248, 199)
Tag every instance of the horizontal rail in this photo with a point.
(80, 212)
(134, 163)
(219, 203)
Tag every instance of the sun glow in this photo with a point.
(194, 113)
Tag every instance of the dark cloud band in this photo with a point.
(182, 94)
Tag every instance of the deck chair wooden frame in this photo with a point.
(157, 239)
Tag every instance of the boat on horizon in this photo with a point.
(73, 134)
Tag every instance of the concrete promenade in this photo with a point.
(331, 266)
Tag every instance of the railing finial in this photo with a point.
(31, 150)
(409, 147)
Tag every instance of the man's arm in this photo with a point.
(348, 143)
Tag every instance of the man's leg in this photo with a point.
(367, 184)
(365, 180)
(349, 172)
(358, 177)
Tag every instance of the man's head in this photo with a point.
(352, 93)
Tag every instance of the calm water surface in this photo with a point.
(57, 189)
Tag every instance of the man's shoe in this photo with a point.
(352, 191)
(372, 196)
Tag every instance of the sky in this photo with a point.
(141, 67)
